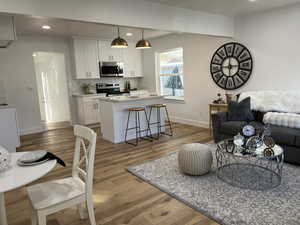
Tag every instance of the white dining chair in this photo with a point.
(53, 196)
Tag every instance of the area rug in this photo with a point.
(222, 202)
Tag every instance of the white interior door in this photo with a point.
(52, 86)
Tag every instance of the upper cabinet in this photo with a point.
(86, 58)
(7, 31)
(133, 61)
(88, 53)
(108, 54)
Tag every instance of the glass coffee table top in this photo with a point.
(250, 169)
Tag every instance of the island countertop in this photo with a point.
(130, 98)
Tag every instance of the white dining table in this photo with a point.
(17, 176)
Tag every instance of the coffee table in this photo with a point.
(253, 170)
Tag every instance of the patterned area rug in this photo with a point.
(226, 204)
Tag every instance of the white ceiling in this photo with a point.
(27, 25)
(227, 7)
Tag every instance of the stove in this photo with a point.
(111, 89)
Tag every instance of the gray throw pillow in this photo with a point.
(240, 111)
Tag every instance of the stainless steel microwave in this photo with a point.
(111, 69)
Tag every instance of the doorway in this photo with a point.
(50, 71)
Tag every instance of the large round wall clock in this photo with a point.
(231, 66)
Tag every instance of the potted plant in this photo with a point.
(87, 88)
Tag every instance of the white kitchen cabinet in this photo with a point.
(133, 61)
(9, 129)
(86, 58)
(108, 54)
(7, 30)
(88, 109)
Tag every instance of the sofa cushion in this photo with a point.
(281, 135)
(231, 127)
(234, 127)
(240, 111)
(258, 116)
(286, 135)
(297, 142)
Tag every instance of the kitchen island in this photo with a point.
(114, 115)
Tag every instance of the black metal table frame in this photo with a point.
(248, 171)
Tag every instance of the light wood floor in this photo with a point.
(57, 125)
(119, 197)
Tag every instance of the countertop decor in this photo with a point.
(130, 98)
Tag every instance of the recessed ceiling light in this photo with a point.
(129, 34)
(46, 27)
(252, 0)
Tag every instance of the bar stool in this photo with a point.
(158, 122)
(137, 127)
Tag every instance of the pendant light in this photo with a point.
(143, 44)
(119, 42)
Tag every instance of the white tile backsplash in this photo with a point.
(76, 84)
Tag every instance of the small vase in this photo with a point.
(229, 97)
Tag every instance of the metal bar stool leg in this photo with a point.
(158, 123)
(139, 124)
(148, 125)
(169, 122)
(136, 129)
(127, 127)
(150, 115)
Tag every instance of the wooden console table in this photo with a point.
(215, 108)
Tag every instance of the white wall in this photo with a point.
(273, 38)
(136, 13)
(199, 88)
(18, 73)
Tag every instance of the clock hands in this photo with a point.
(229, 67)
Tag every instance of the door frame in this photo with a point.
(68, 78)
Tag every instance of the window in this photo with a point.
(170, 73)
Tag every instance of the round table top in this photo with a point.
(17, 176)
(227, 146)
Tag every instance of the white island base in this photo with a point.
(114, 115)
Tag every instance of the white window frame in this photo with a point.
(157, 69)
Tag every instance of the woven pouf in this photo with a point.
(195, 159)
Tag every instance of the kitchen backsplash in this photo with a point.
(76, 84)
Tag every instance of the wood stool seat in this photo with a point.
(136, 109)
(158, 105)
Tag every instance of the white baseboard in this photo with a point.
(32, 130)
(196, 123)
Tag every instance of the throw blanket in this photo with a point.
(279, 101)
(282, 119)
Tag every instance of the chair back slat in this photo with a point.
(82, 173)
(83, 163)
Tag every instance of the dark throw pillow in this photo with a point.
(258, 116)
(240, 111)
